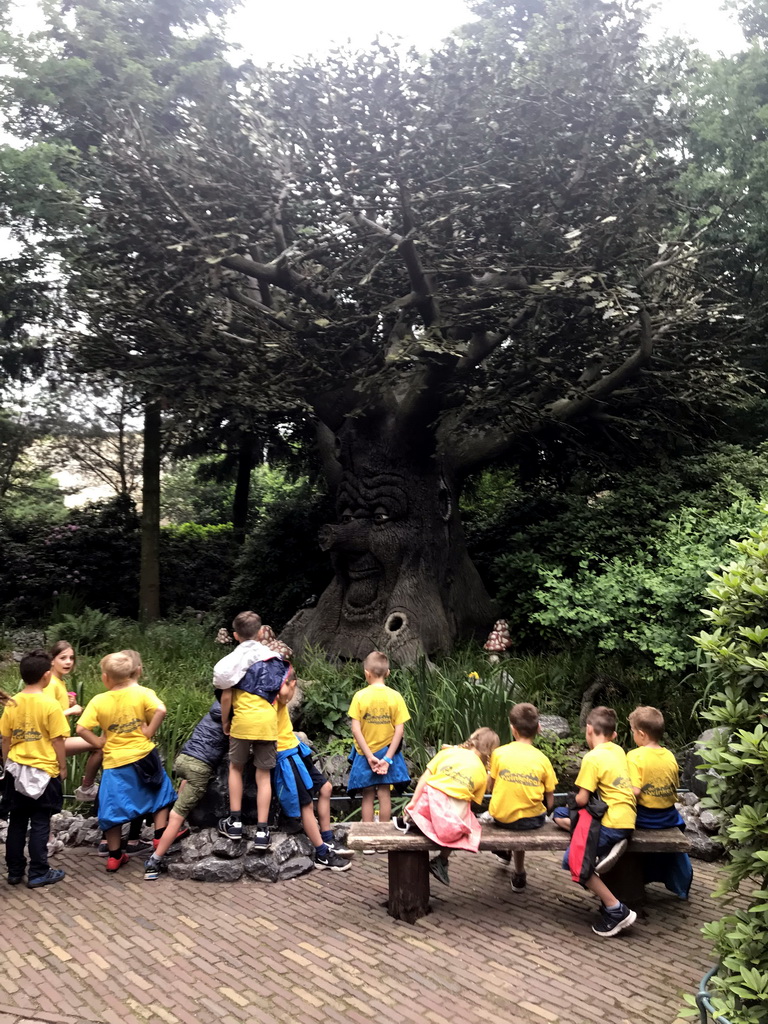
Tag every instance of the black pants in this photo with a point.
(23, 813)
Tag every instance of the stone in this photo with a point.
(215, 869)
(215, 803)
(694, 773)
(261, 868)
(285, 848)
(227, 848)
(336, 769)
(710, 822)
(295, 867)
(704, 848)
(690, 799)
(554, 725)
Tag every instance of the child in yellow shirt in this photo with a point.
(522, 782)
(655, 776)
(133, 781)
(377, 717)
(604, 774)
(33, 728)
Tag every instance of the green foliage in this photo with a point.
(90, 632)
(196, 564)
(736, 653)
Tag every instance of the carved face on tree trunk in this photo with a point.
(403, 581)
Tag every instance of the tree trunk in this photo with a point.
(404, 582)
(242, 489)
(149, 581)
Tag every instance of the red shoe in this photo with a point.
(115, 863)
(181, 834)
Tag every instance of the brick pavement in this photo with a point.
(321, 948)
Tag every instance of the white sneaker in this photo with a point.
(87, 794)
(616, 852)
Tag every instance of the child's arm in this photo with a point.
(90, 737)
(226, 710)
(6, 747)
(73, 709)
(58, 745)
(549, 801)
(287, 692)
(392, 749)
(419, 787)
(582, 797)
(357, 732)
(153, 725)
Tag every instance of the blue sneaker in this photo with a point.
(614, 921)
(153, 868)
(52, 875)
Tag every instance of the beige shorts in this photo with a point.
(263, 753)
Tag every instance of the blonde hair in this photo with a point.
(7, 700)
(138, 665)
(483, 741)
(648, 720)
(246, 625)
(118, 667)
(377, 663)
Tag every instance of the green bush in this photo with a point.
(196, 565)
(737, 780)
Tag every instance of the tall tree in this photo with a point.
(430, 260)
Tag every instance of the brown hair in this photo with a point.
(483, 741)
(118, 667)
(602, 720)
(525, 718)
(246, 625)
(377, 664)
(648, 720)
(6, 700)
(59, 647)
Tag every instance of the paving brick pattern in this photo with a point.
(321, 948)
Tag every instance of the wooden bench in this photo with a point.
(408, 856)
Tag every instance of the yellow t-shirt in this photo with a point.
(654, 771)
(120, 715)
(254, 718)
(604, 770)
(286, 737)
(58, 690)
(458, 772)
(31, 724)
(378, 708)
(522, 776)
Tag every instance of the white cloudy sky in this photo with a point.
(276, 33)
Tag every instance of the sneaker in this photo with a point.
(614, 921)
(87, 794)
(103, 850)
(54, 846)
(333, 861)
(115, 863)
(518, 882)
(52, 875)
(401, 824)
(131, 849)
(604, 864)
(339, 850)
(184, 832)
(15, 879)
(231, 829)
(439, 869)
(153, 868)
(505, 855)
(262, 839)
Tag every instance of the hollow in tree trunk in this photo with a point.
(403, 582)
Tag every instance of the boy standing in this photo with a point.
(523, 783)
(604, 775)
(250, 679)
(654, 776)
(33, 728)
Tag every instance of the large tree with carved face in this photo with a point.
(426, 261)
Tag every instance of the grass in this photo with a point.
(446, 702)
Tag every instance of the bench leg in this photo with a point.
(408, 885)
(626, 880)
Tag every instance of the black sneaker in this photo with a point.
(332, 861)
(604, 864)
(439, 869)
(131, 849)
(401, 824)
(614, 921)
(230, 829)
(518, 882)
(15, 879)
(504, 855)
(339, 850)
(262, 839)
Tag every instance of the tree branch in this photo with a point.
(258, 307)
(278, 273)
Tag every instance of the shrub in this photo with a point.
(196, 565)
(737, 780)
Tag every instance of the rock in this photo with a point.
(554, 725)
(336, 769)
(227, 848)
(294, 868)
(303, 738)
(181, 871)
(215, 869)
(710, 822)
(690, 799)
(694, 773)
(285, 848)
(704, 848)
(261, 868)
(215, 803)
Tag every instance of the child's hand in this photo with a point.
(72, 698)
(75, 709)
(374, 763)
(225, 727)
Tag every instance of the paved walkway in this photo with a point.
(321, 948)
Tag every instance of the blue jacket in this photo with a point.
(208, 742)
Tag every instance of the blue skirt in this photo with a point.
(361, 776)
(674, 870)
(123, 796)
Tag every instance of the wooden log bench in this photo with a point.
(408, 856)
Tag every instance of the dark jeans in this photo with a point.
(27, 813)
